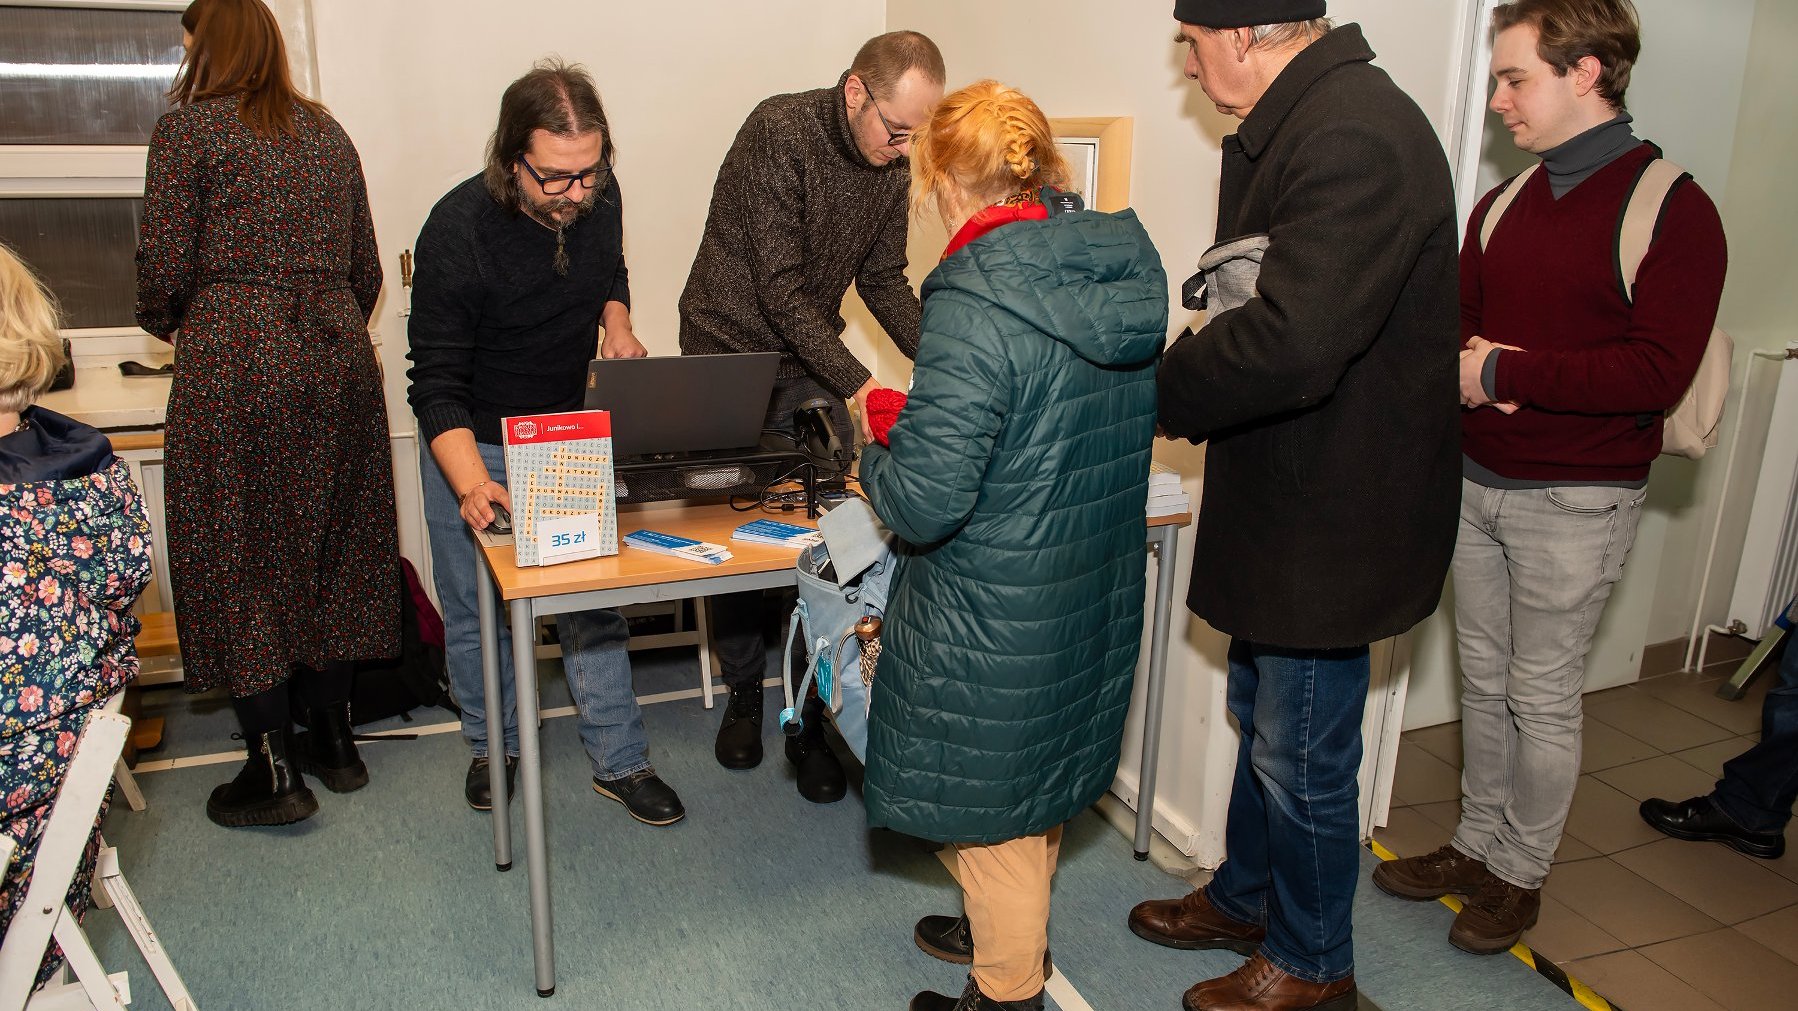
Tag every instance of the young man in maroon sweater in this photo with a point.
(1564, 381)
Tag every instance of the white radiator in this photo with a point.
(1768, 577)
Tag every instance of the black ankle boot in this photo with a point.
(328, 750)
(739, 744)
(972, 999)
(821, 778)
(267, 791)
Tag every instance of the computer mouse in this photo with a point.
(502, 520)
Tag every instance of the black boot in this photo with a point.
(972, 999)
(739, 743)
(267, 791)
(821, 778)
(477, 787)
(328, 750)
(951, 939)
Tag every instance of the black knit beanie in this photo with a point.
(1245, 13)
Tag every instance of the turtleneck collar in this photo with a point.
(845, 132)
(1577, 160)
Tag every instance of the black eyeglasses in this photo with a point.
(894, 137)
(554, 185)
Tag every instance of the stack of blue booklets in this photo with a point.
(679, 547)
(776, 533)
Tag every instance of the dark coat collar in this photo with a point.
(51, 447)
(1339, 47)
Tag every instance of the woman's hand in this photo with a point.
(861, 409)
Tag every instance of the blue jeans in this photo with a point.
(595, 653)
(1760, 785)
(1293, 842)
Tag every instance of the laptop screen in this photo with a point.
(684, 403)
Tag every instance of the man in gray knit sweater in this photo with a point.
(811, 197)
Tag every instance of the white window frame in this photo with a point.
(117, 170)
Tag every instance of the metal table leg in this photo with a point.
(1167, 542)
(530, 775)
(496, 708)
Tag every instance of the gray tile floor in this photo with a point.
(1647, 921)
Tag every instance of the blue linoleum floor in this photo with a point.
(388, 898)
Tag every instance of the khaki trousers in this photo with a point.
(1005, 890)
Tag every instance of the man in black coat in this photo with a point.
(1330, 404)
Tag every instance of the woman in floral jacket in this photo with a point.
(74, 555)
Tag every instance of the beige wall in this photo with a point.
(417, 84)
(1760, 305)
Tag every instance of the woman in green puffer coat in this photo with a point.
(1016, 475)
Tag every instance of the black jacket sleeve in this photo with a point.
(1333, 270)
(445, 310)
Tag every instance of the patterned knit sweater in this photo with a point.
(797, 215)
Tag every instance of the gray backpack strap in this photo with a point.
(790, 715)
(1503, 203)
(1641, 215)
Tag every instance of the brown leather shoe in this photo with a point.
(1261, 986)
(1495, 918)
(1193, 923)
(1443, 871)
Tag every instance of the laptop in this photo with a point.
(684, 404)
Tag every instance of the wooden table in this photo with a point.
(635, 577)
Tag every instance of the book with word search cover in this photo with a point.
(559, 473)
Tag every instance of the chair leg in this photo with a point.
(112, 881)
(40, 916)
(127, 783)
(102, 991)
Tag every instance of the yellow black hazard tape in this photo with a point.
(1587, 996)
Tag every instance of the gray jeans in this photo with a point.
(1533, 569)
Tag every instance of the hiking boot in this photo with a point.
(477, 787)
(1442, 871)
(1261, 986)
(972, 999)
(739, 744)
(268, 790)
(644, 795)
(951, 939)
(1495, 917)
(1192, 923)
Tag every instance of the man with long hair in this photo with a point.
(811, 197)
(520, 270)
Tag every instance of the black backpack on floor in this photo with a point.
(417, 677)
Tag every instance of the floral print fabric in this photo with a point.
(76, 553)
(282, 539)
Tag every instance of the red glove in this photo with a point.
(884, 406)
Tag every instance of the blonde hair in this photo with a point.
(30, 349)
(989, 142)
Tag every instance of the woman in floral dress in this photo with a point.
(257, 257)
(74, 555)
